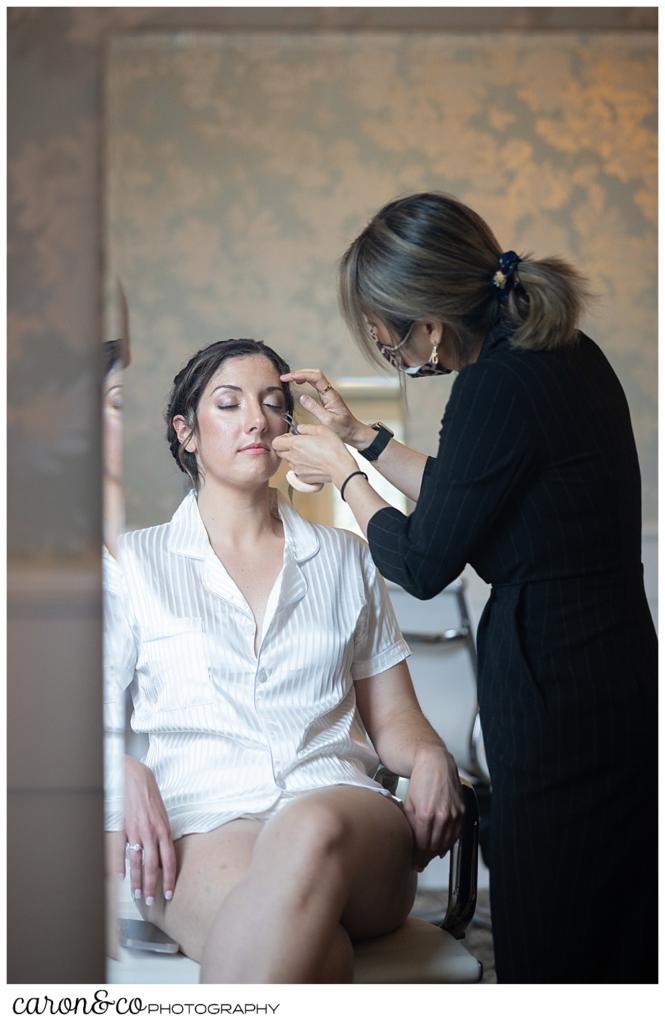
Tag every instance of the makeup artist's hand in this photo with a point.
(332, 411)
(147, 823)
(316, 454)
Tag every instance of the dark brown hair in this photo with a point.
(115, 356)
(190, 383)
(428, 256)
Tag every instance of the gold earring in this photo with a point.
(434, 358)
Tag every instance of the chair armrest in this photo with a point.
(447, 637)
(463, 877)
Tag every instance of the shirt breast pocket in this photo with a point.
(176, 667)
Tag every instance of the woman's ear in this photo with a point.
(435, 332)
(185, 433)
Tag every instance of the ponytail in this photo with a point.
(546, 303)
(428, 256)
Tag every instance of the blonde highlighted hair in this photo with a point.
(430, 257)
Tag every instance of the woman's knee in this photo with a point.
(307, 833)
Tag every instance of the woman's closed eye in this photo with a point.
(279, 409)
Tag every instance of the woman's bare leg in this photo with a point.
(338, 856)
(209, 866)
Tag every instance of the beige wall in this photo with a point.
(55, 66)
(238, 168)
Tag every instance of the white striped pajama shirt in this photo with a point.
(230, 731)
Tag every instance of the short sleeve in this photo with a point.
(378, 641)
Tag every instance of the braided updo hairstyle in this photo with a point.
(190, 383)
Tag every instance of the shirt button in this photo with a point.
(262, 676)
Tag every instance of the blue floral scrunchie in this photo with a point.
(503, 278)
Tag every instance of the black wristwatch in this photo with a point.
(379, 443)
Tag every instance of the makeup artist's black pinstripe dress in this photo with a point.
(536, 484)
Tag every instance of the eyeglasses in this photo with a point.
(389, 352)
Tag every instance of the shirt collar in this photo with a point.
(188, 536)
(497, 336)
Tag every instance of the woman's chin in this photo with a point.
(255, 477)
(256, 472)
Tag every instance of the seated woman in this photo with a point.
(261, 651)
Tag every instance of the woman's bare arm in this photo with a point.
(400, 465)
(394, 720)
(408, 746)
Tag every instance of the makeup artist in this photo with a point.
(536, 484)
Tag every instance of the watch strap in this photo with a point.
(378, 444)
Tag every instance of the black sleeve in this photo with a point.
(487, 444)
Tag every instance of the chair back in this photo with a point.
(443, 666)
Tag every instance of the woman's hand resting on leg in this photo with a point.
(408, 746)
(147, 823)
(434, 804)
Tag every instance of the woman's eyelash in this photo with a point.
(276, 408)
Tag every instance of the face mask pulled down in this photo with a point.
(428, 369)
(392, 354)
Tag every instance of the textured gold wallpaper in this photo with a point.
(552, 135)
(238, 168)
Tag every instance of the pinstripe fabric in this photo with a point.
(536, 484)
(118, 646)
(230, 731)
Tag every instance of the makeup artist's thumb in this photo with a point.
(309, 428)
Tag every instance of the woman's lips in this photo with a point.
(255, 449)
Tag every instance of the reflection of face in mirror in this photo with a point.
(113, 426)
(112, 401)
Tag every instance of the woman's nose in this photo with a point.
(256, 419)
